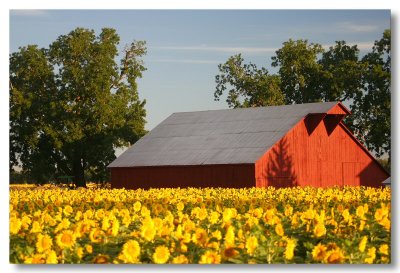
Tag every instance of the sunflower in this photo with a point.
(230, 237)
(115, 227)
(43, 243)
(101, 259)
(137, 206)
(200, 237)
(36, 228)
(227, 214)
(334, 256)
(384, 249)
(381, 213)
(35, 259)
(99, 214)
(319, 230)
(148, 233)
(279, 230)
(64, 224)
(289, 251)
(79, 252)
(105, 223)
(202, 214)
(319, 252)
(25, 222)
(181, 259)
(229, 252)
(251, 244)
(161, 255)
(360, 211)
(363, 243)
(210, 257)
(51, 257)
(217, 235)
(385, 222)
(96, 235)
(66, 239)
(180, 206)
(68, 210)
(15, 225)
(131, 251)
(371, 255)
(89, 248)
(362, 225)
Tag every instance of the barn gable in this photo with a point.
(319, 151)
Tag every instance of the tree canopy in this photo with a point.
(299, 70)
(249, 86)
(309, 73)
(371, 108)
(72, 104)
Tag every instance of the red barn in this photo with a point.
(281, 146)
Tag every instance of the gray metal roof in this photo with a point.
(230, 136)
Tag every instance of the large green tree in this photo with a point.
(248, 86)
(371, 108)
(72, 104)
(340, 73)
(308, 73)
(299, 70)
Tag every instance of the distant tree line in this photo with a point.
(309, 73)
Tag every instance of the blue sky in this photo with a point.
(185, 46)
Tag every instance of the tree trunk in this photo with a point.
(79, 172)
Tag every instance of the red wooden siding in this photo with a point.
(318, 154)
(227, 176)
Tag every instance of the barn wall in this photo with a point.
(232, 176)
(317, 153)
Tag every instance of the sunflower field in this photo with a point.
(205, 226)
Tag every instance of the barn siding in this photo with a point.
(232, 176)
(321, 159)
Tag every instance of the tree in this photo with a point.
(299, 71)
(71, 105)
(341, 73)
(248, 86)
(371, 108)
(308, 73)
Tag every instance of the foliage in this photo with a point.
(341, 73)
(248, 85)
(308, 73)
(385, 164)
(71, 104)
(371, 109)
(299, 70)
(254, 225)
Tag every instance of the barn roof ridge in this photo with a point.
(258, 107)
(225, 136)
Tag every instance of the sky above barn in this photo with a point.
(186, 46)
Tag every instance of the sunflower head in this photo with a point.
(131, 251)
(43, 243)
(161, 255)
(319, 252)
(181, 259)
(66, 239)
(210, 257)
